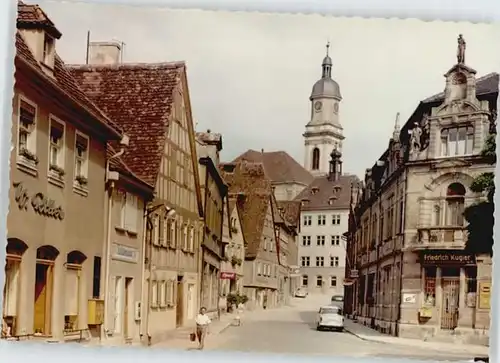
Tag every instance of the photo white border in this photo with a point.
(448, 10)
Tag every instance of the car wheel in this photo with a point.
(318, 328)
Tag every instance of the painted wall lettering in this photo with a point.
(39, 202)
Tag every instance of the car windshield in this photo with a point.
(329, 311)
(337, 298)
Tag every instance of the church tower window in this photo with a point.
(315, 159)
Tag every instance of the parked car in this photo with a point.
(338, 300)
(302, 293)
(331, 318)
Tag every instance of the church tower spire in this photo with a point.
(324, 132)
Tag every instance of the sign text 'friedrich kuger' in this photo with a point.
(448, 258)
(39, 202)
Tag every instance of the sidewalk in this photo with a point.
(368, 334)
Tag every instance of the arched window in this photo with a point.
(74, 261)
(315, 159)
(455, 199)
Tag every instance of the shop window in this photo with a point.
(430, 286)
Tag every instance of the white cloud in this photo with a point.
(250, 75)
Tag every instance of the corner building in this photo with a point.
(415, 278)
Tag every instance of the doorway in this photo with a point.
(44, 281)
(126, 307)
(190, 302)
(179, 309)
(451, 292)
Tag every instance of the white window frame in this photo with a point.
(305, 278)
(84, 170)
(61, 155)
(333, 281)
(162, 294)
(319, 278)
(320, 240)
(154, 294)
(320, 261)
(321, 220)
(31, 137)
(446, 143)
(307, 220)
(259, 269)
(191, 239)
(335, 219)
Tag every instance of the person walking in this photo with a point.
(202, 323)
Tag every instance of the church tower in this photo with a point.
(323, 132)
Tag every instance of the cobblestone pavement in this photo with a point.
(291, 330)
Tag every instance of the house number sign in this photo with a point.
(39, 202)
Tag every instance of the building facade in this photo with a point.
(261, 263)
(439, 289)
(234, 255)
(58, 166)
(123, 264)
(162, 152)
(324, 220)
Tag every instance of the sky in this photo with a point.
(250, 75)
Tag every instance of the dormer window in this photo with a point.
(48, 51)
(314, 190)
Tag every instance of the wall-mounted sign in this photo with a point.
(227, 275)
(125, 253)
(354, 274)
(409, 298)
(447, 258)
(39, 202)
(484, 295)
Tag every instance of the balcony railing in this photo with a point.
(440, 237)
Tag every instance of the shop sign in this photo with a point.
(227, 275)
(484, 295)
(354, 274)
(456, 258)
(39, 202)
(124, 253)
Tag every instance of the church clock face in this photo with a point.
(336, 107)
(317, 106)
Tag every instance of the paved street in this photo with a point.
(291, 330)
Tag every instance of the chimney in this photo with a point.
(105, 53)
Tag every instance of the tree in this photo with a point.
(480, 215)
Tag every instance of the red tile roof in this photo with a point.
(33, 17)
(250, 179)
(62, 80)
(280, 167)
(139, 97)
(117, 164)
(326, 194)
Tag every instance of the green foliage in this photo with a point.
(480, 215)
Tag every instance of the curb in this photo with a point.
(364, 338)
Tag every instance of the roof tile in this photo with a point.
(139, 97)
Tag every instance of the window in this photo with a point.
(305, 261)
(162, 294)
(48, 50)
(320, 261)
(259, 269)
(170, 287)
(315, 159)
(271, 246)
(334, 261)
(307, 220)
(56, 148)
(436, 220)
(128, 211)
(191, 239)
(154, 294)
(430, 286)
(319, 281)
(320, 240)
(333, 281)
(306, 240)
(321, 220)
(455, 199)
(72, 284)
(457, 141)
(81, 158)
(26, 143)
(335, 240)
(305, 280)
(170, 242)
(336, 219)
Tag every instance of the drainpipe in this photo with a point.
(143, 267)
(150, 271)
(123, 143)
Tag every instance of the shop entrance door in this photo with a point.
(449, 313)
